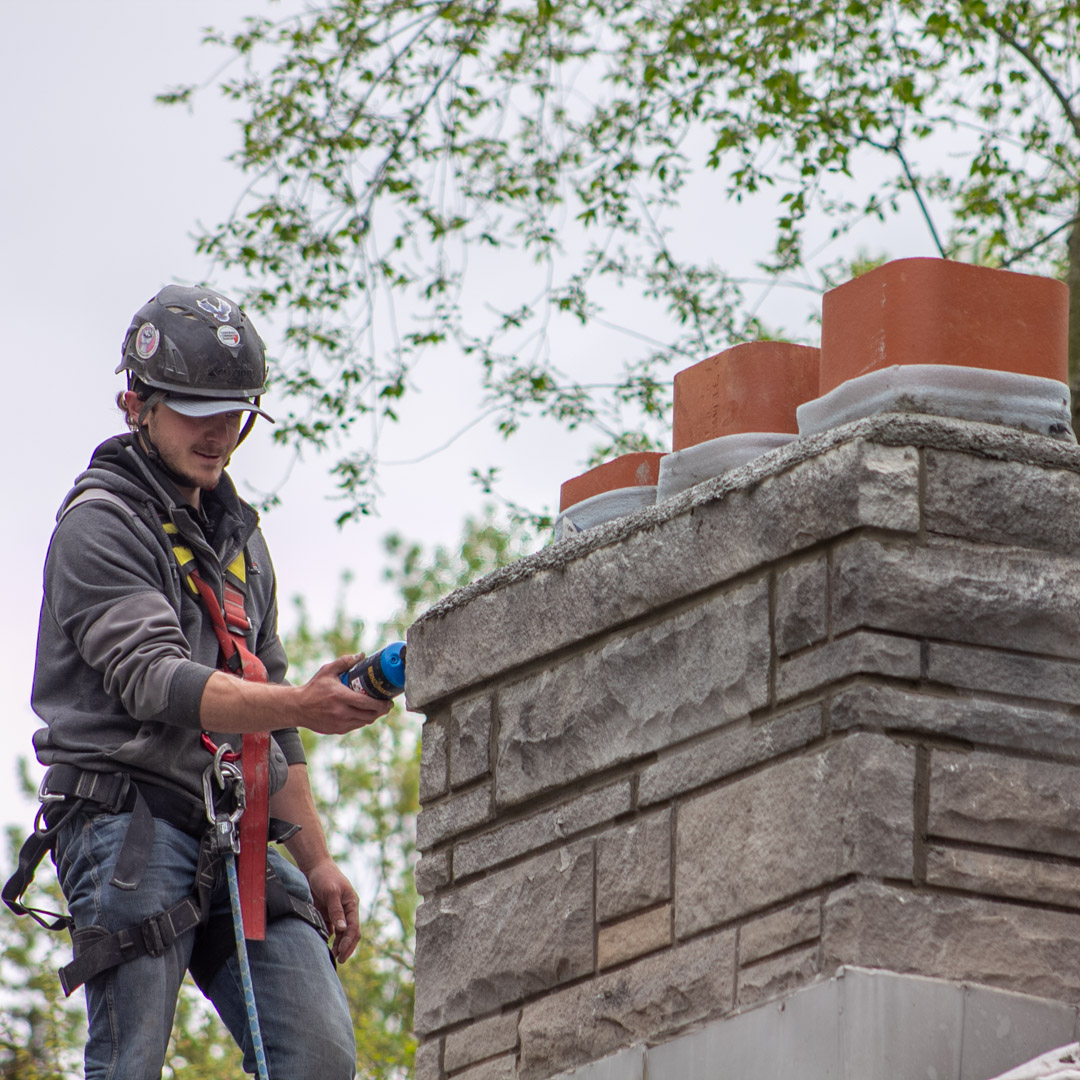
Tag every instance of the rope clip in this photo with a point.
(229, 778)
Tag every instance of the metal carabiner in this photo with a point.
(227, 774)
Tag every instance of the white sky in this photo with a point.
(100, 191)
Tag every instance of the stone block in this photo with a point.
(780, 930)
(504, 937)
(503, 1068)
(426, 1063)
(860, 653)
(989, 722)
(976, 594)
(633, 866)
(434, 765)
(660, 556)
(1010, 876)
(527, 834)
(1017, 674)
(633, 937)
(965, 939)
(484, 1039)
(1005, 801)
(470, 738)
(730, 750)
(641, 1002)
(432, 872)
(635, 695)
(454, 815)
(794, 827)
(1002, 502)
(777, 975)
(801, 605)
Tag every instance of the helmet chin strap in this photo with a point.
(249, 423)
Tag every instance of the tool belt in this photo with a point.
(67, 790)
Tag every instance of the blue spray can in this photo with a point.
(381, 675)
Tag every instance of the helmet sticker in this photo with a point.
(229, 336)
(147, 341)
(214, 305)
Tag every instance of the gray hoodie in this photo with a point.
(124, 647)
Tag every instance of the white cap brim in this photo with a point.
(194, 406)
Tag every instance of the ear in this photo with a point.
(133, 406)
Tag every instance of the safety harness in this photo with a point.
(231, 624)
(67, 790)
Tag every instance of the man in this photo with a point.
(128, 679)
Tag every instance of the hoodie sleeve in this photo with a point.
(106, 588)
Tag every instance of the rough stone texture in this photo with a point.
(608, 575)
(966, 939)
(631, 667)
(513, 933)
(633, 937)
(780, 930)
(1005, 801)
(794, 827)
(481, 1040)
(454, 815)
(801, 605)
(432, 872)
(434, 772)
(777, 975)
(633, 866)
(645, 1001)
(731, 749)
(504, 1068)
(1006, 597)
(999, 723)
(517, 837)
(1004, 673)
(1002, 502)
(635, 695)
(1010, 876)
(860, 653)
(426, 1062)
(470, 738)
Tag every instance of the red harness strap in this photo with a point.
(239, 660)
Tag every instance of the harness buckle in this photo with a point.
(157, 943)
(46, 796)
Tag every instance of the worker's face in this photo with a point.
(195, 448)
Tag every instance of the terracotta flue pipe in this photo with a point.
(753, 387)
(935, 311)
(629, 470)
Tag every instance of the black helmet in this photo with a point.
(195, 344)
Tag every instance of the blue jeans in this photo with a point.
(304, 1017)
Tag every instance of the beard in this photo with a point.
(185, 479)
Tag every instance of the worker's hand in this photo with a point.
(337, 903)
(329, 707)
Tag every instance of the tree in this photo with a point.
(483, 179)
(366, 786)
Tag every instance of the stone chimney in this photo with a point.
(780, 775)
